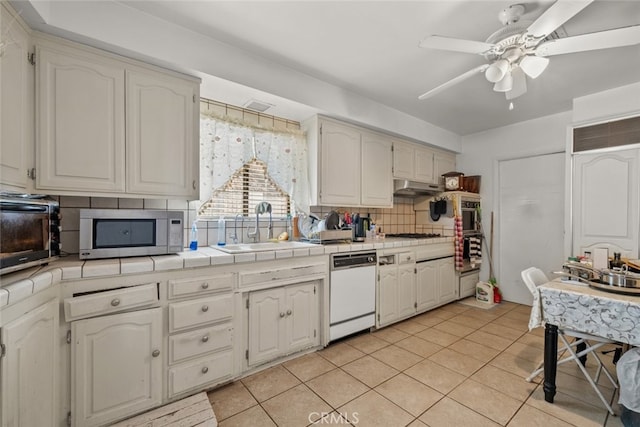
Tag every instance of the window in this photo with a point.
(242, 164)
(247, 187)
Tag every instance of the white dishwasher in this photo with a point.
(352, 293)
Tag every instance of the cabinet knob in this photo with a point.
(289, 312)
(205, 338)
(205, 369)
(205, 308)
(115, 302)
(205, 285)
(282, 314)
(155, 353)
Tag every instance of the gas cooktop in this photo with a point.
(414, 235)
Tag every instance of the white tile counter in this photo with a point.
(17, 286)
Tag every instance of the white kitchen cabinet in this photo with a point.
(107, 125)
(420, 163)
(16, 102)
(468, 282)
(162, 125)
(387, 298)
(340, 160)
(348, 165)
(436, 283)
(605, 201)
(377, 182)
(282, 321)
(117, 365)
(30, 367)
(396, 289)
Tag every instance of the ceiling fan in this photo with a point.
(520, 49)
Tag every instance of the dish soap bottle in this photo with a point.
(222, 232)
(193, 241)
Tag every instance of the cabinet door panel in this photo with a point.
(160, 135)
(301, 317)
(266, 311)
(406, 290)
(403, 161)
(340, 180)
(377, 180)
(29, 380)
(114, 370)
(447, 280)
(387, 295)
(16, 103)
(424, 165)
(81, 122)
(427, 285)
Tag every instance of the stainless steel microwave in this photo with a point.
(115, 233)
(29, 231)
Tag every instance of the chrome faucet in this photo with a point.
(235, 228)
(261, 208)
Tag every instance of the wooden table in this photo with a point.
(584, 309)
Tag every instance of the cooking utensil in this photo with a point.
(622, 281)
(332, 221)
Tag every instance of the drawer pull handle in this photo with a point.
(289, 312)
(205, 285)
(155, 353)
(282, 314)
(205, 338)
(205, 370)
(205, 308)
(115, 302)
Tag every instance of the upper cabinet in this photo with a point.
(420, 163)
(16, 102)
(113, 126)
(348, 166)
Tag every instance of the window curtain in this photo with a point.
(227, 144)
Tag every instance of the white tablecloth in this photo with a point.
(585, 309)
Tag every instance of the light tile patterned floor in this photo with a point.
(453, 366)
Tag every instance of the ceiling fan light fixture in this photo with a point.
(504, 85)
(533, 66)
(497, 71)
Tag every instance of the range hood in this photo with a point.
(406, 188)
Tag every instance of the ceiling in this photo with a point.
(370, 48)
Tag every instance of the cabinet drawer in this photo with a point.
(196, 343)
(183, 315)
(251, 278)
(110, 301)
(201, 372)
(199, 285)
(406, 258)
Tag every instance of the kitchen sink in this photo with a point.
(264, 246)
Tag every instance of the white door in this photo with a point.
(116, 365)
(530, 220)
(30, 368)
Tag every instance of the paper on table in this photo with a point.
(600, 258)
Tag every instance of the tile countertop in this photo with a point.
(17, 286)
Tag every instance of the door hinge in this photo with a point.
(31, 57)
(378, 318)
(69, 336)
(314, 333)
(415, 271)
(69, 418)
(415, 304)
(392, 148)
(378, 277)
(31, 173)
(314, 289)
(246, 354)
(247, 303)
(3, 350)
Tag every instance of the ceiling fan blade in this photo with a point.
(601, 40)
(559, 13)
(454, 81)
(519, 83)
(456, 45)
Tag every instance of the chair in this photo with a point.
(534, 277)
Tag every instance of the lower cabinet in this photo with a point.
(436, 283)
(396, 288)
(29, 368)
(282, 321)
(117, 366)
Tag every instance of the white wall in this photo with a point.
(482, 151)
